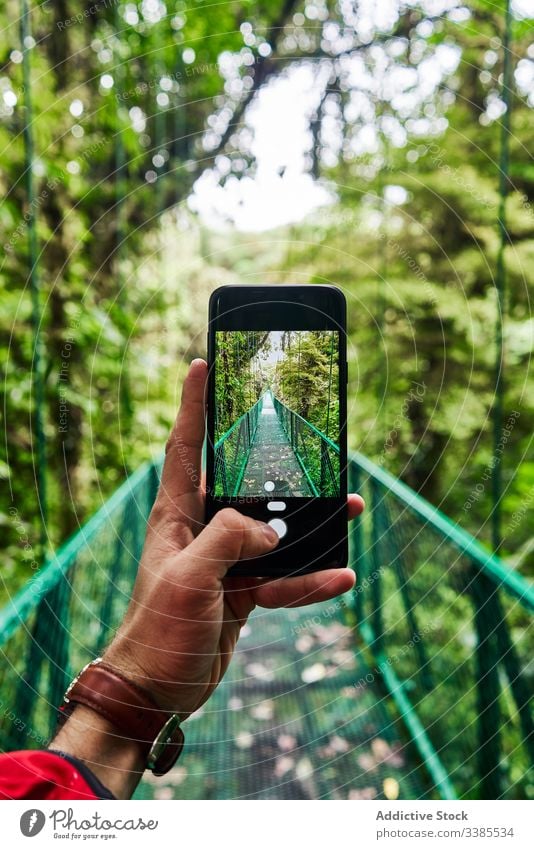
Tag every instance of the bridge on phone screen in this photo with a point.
(272, 450)
(412, 686)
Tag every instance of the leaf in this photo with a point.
(287, 742)
(304, 643)
(366, 761)
(258, 670)
(244, 740)
(304, 770)
(263, 711)
(391, 788)
(313, 673)
(283, 765)
(363, 793)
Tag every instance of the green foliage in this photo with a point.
(238, 381)
(307, 379)
(303, 380)
(129, 295)
(121, 97)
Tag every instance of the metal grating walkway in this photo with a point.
(272, 458)
(288, 722)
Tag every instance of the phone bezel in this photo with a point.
(305, 306)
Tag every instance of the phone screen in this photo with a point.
(276, 419)
(277, 414)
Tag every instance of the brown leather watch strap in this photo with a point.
(129, 708)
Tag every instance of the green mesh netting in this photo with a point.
(290, 722)
(456, 633)
(67, 613)
(415, 686)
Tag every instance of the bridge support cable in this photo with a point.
(232, 452)
(317, 454)
(500, 283)
(40, 464)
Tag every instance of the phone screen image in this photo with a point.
(276, 418)
(277, 414)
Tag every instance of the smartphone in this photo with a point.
(276, 420)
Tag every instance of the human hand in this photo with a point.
(185, 615)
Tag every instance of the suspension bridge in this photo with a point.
(272, 449)
(417, 684)
(414, 685)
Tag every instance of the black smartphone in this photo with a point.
(276, 420)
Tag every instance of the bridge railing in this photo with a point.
(69, 610)
(449, 628)
(232, 450)
(318, 456)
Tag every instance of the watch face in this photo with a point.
(167, 747)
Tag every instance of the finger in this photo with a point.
(238, 595)
(229, 537)
(242, 586)
(355, 504)
(304, 589)
(181, 474)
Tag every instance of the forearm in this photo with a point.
(118, 763)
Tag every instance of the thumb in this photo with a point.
(229, 537)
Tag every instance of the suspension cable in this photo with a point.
(121, 171)
(38, 387)
(500, 283)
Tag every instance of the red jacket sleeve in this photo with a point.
(47, 775)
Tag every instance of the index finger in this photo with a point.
(355, 504)
(304, 589)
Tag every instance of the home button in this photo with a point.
(279, 526)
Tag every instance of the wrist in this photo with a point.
(118, 762)
(130, 714)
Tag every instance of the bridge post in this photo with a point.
(488, 685)
(322, 485)
(376, 586)
(222, 461)
(397, 547)
(516, 678)
(357, 550)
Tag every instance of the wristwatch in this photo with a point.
(132, 711)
